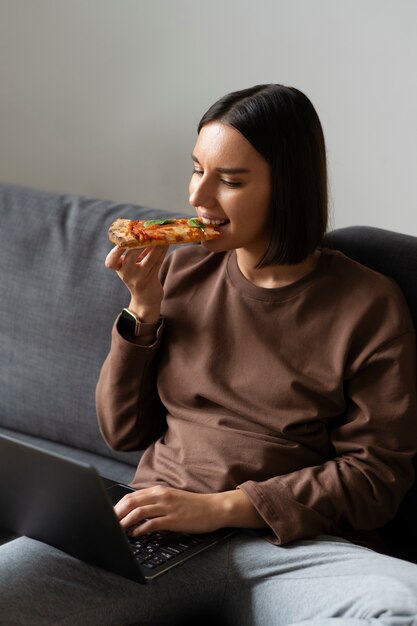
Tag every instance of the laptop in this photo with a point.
(68, 505)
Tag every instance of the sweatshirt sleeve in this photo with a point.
(130, 413)
(374, 442)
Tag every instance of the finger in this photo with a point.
(151, 257)
(136, 506)
(133, 501)
(151, 525)
(135, 257)
(138, 515)
(142, 497)
(142, 255)
(114, 258)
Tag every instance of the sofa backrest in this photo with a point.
(395, 255)
(57, 306)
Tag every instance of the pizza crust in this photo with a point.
(120, 235)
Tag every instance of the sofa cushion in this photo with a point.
(57, 306)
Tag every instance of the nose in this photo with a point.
(201, 193)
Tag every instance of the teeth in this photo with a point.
(207, 221)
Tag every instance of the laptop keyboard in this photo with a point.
(159, 547)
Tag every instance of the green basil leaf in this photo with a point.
(159, 222)
(195, 223)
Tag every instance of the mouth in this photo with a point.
(214, 222)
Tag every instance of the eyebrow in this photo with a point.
(225, 170)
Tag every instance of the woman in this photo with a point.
(273, 386)
(275, 380)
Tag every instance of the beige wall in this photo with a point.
(102, 97)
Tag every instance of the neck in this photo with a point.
(273, 276)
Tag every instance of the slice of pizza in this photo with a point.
(163, 232)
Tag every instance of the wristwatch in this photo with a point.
(129, 323)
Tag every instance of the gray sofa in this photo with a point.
(57, 307)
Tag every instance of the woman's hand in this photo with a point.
(139, 270)
(165, 508)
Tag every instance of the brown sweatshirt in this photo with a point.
(303, 396)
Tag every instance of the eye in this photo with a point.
(198, 172)
(230, 183)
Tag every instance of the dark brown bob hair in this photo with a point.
(283, 126)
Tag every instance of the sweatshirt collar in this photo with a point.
(274, 294)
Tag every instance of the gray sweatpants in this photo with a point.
(244, 581)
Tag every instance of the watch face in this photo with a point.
(128, 322)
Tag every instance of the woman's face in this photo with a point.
(231, 189)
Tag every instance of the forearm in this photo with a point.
(128, 407)
(165, 508)
(237, 511)
(339, 497)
